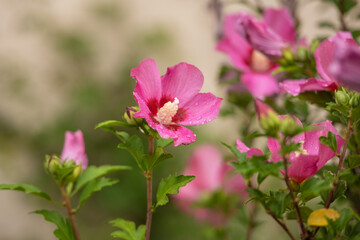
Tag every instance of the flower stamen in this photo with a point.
(167, 112)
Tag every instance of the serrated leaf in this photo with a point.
(241, 157)
(64, 230)
(354, 161)
(159, 155)
(313, 187)
(26, 188)
(278, 202)
(304, 211)
(329, 141)
(170, 185)
(134, 145)
(128, 230)
(91, 173)
(95, 186)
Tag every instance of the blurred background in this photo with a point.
(65, 65)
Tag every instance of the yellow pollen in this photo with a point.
(301, 151)
(167, 112)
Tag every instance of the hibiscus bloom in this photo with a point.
(312, 156)
(346, 64)
(256, 67)
(324, 56)
(272, 35)
(170, 101)
(74, 148)
(212, 174)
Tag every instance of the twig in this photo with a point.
(149, 210)
(280, 223)
(70, 212)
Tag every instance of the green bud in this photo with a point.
(128, 115)
(354, 101)
(342, 97)
(288, 55)
(52, 163)
(74, 175)
(270, 123)
(288, 126)
(302, 53)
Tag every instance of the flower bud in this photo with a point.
(52, 163)
(128, 115)
(75, 174)
(288, 126)
(301, 53)
(288, 55)
(354, 101)
(270, 123)
(342, 97)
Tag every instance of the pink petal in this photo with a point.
(324, 56)
(295, 87)
(180, 134)
(260, 85)
(148, 81)
(182, 81)
(234, 45)
(274, 148)
(249, 151)
(74, 148)
(202, 108)
(303, 167)
(281, 22)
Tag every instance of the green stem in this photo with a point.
(148, 175)
(70, 212)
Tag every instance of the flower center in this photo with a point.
(260, 62)
(167, 112)
(301, 150)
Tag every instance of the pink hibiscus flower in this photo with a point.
(170, 101)
(74, 148)
(272, 35)
(312, 156)
(256, 67)
(324, 56)
(212, 174)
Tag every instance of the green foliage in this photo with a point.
(354, 161)
(92, 173)
(313, 187)
(330, 141)
(278, 202)
(64, 229)
(170, 185)
(128, 230)
(94, 186)
(26, 188)
(159, 155)
(134, 145)
(304, 211)
(108, 125)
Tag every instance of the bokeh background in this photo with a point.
(64, 65)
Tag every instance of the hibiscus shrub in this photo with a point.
(297, 156)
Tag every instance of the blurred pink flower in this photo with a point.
(167, 102)
(324, 56)
(74, 148)
(312, 156)
(346, 64)
(212, 174)
(256, 67)
(272, 35)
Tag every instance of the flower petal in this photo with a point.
(302, 167)
(180, 134)
(204, 107)
(260, 85)
(182, 81)
(148, 81)
(234, 45)
(281, 22)
(295, 87)
(74, 148)
(249, 151)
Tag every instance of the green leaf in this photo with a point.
(304, 211)
(128, 230)
(241, 157)
(94, 186)
(64, 230)
(91, 173)
(278, 202)
(257, 195)
(329, 141)
(107, 125)
(354, 161)
(159, 155)
(134, 145)
(313, 187)
(26, 188)
(170, 185)
(162, 142)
